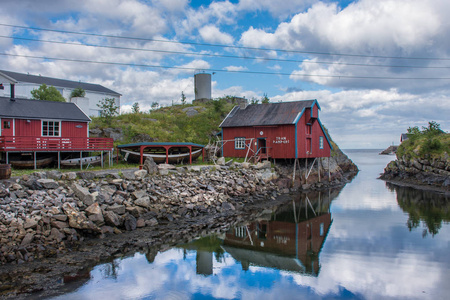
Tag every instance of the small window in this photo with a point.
(239, 143)
(50, 128)
(6, 124)
(321, 142)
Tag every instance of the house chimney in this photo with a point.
(243, 103)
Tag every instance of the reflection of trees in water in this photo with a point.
(427, 207)
(210, 243)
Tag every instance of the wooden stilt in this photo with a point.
(293, 175)
(306, 170)
(35, 160)
(59, 160)
(318, 167)
(81, 160)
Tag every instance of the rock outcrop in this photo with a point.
(420, 171)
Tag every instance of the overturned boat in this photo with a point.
(169, 153)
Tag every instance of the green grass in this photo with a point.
(116, 166)
(171, 124)
(421, 145)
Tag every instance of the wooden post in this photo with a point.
(81, 160)
(318, 167)
(35, 160)
(306, 170)
(101, 157)
(59, 160)
(293, 176)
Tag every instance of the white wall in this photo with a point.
(23, 90)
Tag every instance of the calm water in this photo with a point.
(369, 240)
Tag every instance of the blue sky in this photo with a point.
(376, 67)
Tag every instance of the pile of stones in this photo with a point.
(48, 213)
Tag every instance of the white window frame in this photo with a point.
(239, 143)
(53, 127)
(320, 142)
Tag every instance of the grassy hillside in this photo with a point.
(171, 124)
(430, 141)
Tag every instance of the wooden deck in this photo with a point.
(54, 144)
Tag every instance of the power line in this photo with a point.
(224, 46)
(225, 71)
(223, 55)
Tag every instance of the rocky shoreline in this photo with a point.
(423, 173)
(50, 221)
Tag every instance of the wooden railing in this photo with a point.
(54, 144)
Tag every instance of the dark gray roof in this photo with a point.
(266, 114)
(40, 109)
(20, 77)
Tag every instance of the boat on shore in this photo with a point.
(89, 160)
(24, 164)
(172, 153)
(133, 156)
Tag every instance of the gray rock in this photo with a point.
(221, 161)
(27, 239)
(143, 202)
(129, 175)
(57, 235)
(130, 222)
(30, 223)
(48, 183)
(150, 166)
(111, 218)
(139, 174)
(83, 194)
(117, 209)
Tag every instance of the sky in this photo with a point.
(375, 67)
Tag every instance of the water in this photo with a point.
(370, 240)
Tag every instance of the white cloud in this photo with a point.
(212, 34)
(235, 68)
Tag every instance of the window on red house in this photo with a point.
(50, 128)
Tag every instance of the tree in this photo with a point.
(254, 101)
(433, 128)
(155, 105)
(108, 109)
(183, 98)
(135, 108)
(77, 92)
(47, 93)
(265, 99)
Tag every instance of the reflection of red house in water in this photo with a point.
(283, 242)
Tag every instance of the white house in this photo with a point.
(24, 83)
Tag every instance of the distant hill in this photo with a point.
(177, 123)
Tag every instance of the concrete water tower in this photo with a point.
(202, 86)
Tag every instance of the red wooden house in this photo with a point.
(36, 127)
(288, 130)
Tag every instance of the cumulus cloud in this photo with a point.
(212, 34)
(381, 28)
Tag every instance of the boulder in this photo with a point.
(129, 222)
(117, 209)
(83, 194)
(150, 166)
(48, 184)
(139, 174)
(221, 161)
(143, 202)
(111, 218)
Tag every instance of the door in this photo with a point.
(262, 146)
(7, 127)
